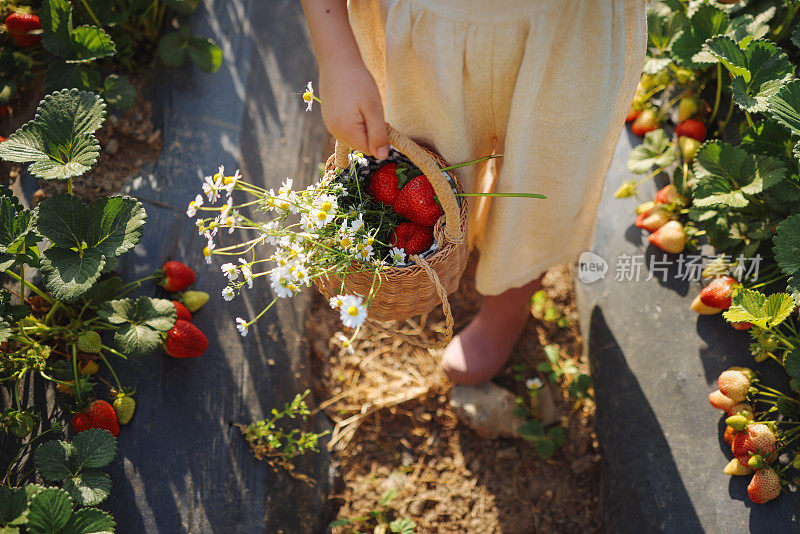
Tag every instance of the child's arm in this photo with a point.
(351, 104)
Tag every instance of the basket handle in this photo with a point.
(452, 230)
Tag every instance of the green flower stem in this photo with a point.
(717, 95)
(69, 185)
(114, 352)
(749, 120)
(471, 162)
(21, 284)
(30, 286)
(105, 361)
(130, 286)
(15, 386)
(19, 455)
(91, 13)
(727, 117)
(75, 372)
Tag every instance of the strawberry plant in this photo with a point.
(59, 326)
(68, 507)
(724, 75)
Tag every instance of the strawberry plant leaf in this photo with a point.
(90, 43)
(90, 521)
(141, 322)
(118, 91)
(792, 363)
(92, 448)
(51, 460)
(655, 150)
(5, 331)
(531, 430)
(747, 306)
(81, 76)
(15, 223)
(767, 138)
(89, 487)
(70, 273)
(75, 45)
(784, 106)
(749, 26)
(687, 46)
(778, 307)
(49, 511)
(114, 224)
(545, 448)
(13, 503)
(758, 71)
(796, 36)
(786, 245)
(725, 174)
(172, 49)
(59, 142)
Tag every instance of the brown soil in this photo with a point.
(446, 478)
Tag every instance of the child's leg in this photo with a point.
(479, 351)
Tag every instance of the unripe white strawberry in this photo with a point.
(734, 384)
(670, 238)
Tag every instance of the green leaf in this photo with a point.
(768, 138)
(654, 65)
(81, 76)
(796, 36)
(13, 503)
(557, 435)
(90, 521)
(784, 106)
(15, 222)
(204, 53)
(102, 291)
(656, 150)
(792, 363)
(754, 307)
(118, 92)
(402, 526)
(545, 448)
(92, 448)
(115, 224)
(787, 245)
(58, 142)
(172, 49)
(51, 460)
(62, 219)
(141, 322)
(785, 406)
(50, 511)
(687, 47)
(725, 174)
(88, 488)
(551, 353)
(778, 307)
(90, 43)
(531, 430)
(70, 273)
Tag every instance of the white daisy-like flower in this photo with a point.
(226, 209)
(352, 311)
(321, 218)
(534, 383)
(301, 275)
(345, 341)
(227, 293)
(308, 96)
(282, 283)
(364, 252)
(212, 186)
(201, 226)
(357, 158)
(231, 270)
(229, 182)
(210, 246)
(247, 272)
(191, 209)
(242, 326)
(398, 255)
(357, 223)
(337, 301)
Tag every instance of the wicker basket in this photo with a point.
(416, 289)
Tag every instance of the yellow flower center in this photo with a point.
(322, 215)
(206, 252)
(370, 240)
(218, 177)
(307, 96)
(346, 242)
(352, 311)
(326, 206)
(227, 180)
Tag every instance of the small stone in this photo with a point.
(475, 465)
(486, 409)
(112, 147)
(509, 453)
(545, 406)
(154, 137)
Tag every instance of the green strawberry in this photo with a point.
(689, 147)
(89, 341)
(124, 407)
(194, 300)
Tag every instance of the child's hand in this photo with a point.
(352, 108)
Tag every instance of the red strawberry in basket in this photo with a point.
(176, 276)
(100, 414)
(182, 311)
(383, 184)
(411, 237)
(185, 340)
(19, 26)
(415, 202)
(691, 128)
(718, 293)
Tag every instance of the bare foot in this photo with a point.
(480, 351)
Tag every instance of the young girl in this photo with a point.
(546, 83)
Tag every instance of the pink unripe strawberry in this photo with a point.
(653, 219)
(670, 238)
(734, 384)
(701, 309)
(765, 486)
(760, 439)
(721, 401)
(667, 194)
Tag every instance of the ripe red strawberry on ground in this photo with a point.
(415, 202)
(647, 121)
(185, 340)
(383, 186)
(181, 311)
(718, 293)
(411, 237)
(19, 26)
(176, 276)
(765, 486)
(100, 414)
(691, 128)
